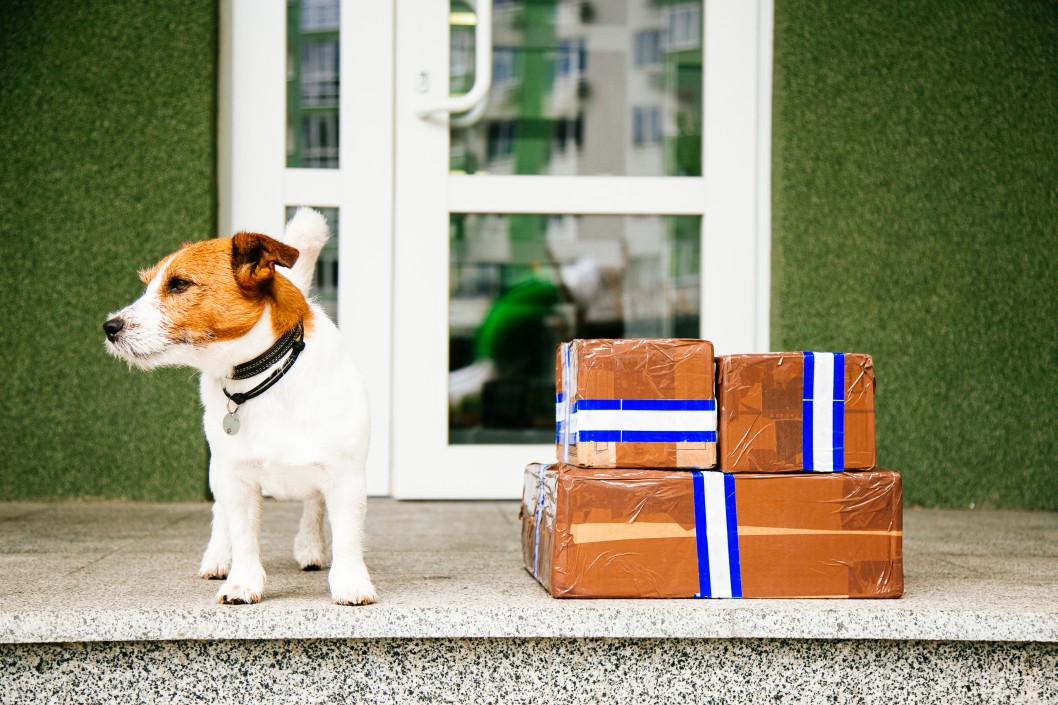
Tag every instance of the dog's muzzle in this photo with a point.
(112, 328)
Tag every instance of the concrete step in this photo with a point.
(99, 602)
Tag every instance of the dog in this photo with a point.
(285, 410)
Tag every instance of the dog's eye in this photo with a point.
(176, 285)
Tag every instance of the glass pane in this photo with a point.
(312, 83)
(325, 281)
(608, 87)
(520, 284)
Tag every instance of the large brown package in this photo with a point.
(788, 412)
(636, 403)
(653, 533)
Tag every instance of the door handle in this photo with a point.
(482, 68)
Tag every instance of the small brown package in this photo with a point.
(654, 533)
(787, 412)
(636, 403)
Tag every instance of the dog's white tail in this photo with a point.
(308, 232)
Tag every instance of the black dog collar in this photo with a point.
(293, 341)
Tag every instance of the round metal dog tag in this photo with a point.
(231, 424)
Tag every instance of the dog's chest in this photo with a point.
(290, 482)
(286, 461)
(302, 433)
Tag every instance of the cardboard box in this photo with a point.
(636, 403)
(788, 412)
(656, 533)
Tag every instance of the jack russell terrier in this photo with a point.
(285, 408)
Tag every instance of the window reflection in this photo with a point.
(312, 83)
(583, 87)
(520, 284)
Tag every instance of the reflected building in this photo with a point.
(579, 88)
(312, 83)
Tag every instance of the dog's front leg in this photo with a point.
(216, 561)
(240, 505)
(308, 544)
(346, 507)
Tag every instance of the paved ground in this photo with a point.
(126, 571)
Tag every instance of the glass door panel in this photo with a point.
(582, 88)
(313, 51)
(519, 284)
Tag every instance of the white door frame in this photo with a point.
(731, 195)
(256, 187)
(395, 197)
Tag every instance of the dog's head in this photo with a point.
(204, 293)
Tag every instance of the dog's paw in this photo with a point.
(241, 589)
(352, 589)
(361, 597)
(308, 551)
(213, 568)
(237, 595)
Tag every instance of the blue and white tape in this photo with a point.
(636, 420)
(560, 418)
(823, 412)
(716, 535)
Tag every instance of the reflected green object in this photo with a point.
(532, 152)
(516, 323)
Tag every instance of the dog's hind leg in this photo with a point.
(309, 543)
(346, 507)
(216, 562)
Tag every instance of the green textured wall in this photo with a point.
(916, 218)
(107, 132)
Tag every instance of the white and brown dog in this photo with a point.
(285, 408)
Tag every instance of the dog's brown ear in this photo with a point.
(254, 258)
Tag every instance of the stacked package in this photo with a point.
(788, 412)
(636, 404)
(632, 509)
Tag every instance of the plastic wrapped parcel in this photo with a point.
(636, 403)
(657, 533)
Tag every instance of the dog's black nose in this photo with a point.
(112, 328)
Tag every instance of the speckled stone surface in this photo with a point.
(568, 671)
(121, 572)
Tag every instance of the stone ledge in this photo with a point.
(123, 572)
(618, 621)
